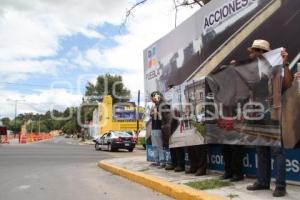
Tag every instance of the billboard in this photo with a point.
(219, 32)
(174, 57)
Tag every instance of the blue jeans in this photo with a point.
(157, 145)
(264, 154)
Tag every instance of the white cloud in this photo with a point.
(134, 80)
(19, 70)
(92, 34)
(96, 57)
(29, 66)
(35, 26)
(13, 77)
(54, 98)
(30, 30)
(41, 102)
(26, 37)
(150, 22)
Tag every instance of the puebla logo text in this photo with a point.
(151, 57)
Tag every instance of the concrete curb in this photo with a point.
(171, 189)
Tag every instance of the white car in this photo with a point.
(115, 140)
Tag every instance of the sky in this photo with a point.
(50, 49)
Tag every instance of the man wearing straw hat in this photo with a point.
(264, 153)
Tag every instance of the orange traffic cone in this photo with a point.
(23, 139)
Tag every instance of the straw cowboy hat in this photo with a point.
(260, 44)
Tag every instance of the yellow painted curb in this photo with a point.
(171, 189)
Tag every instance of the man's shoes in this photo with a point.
(161, 166)
(236, 178)
(154, 164)
(200, 172)
(257, 186)
(191, 171)
(169, 167)
(179, 169)
(226, 176)
(279, 192)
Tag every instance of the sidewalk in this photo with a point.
(137, 169)
(88, 142)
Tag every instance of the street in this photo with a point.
(62, 169)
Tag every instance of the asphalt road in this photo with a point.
(61, 169)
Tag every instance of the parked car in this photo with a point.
(115, 140)
(133, 134)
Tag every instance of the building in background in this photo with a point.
(118, 117)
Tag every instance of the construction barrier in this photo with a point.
(4, 139)
(23, 139)
(34, 137)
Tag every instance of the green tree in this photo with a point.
(71, 127)
(15, 125)
(107, 85)
(5, 121)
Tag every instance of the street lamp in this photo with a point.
(39, 125)
(16, 107)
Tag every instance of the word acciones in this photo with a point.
(225, 11)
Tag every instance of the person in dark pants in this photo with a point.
(168, 127)
(265, 152)
(233, 162)
(178, 159)
(198, 160)
(264, 167)
(232, 155)
(263, 173)
(177, 154)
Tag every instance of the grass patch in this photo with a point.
(208, 184)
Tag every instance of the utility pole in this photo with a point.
(39, 125)
(16, 111)
(138, 113)
(31, 126)
(16, 108)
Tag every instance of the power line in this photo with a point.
(27, 84)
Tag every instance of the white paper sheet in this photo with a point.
(274, 57)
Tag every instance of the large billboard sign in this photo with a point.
(203, 46)
(173, 58)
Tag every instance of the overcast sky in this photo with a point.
(49, 49)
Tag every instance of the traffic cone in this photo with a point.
(23, 139)
(30, 138)
(34, 137)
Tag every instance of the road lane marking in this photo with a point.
(24, 187)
